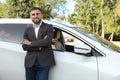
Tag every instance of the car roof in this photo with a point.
(28, 21)
(14, 20)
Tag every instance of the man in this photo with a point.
(37, 42)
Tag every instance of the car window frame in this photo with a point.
(96, 53)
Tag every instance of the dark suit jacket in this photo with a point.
(40, 47)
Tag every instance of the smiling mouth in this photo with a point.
(36, 19)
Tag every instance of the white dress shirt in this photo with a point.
(36, 29)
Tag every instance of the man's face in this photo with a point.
(35, 16)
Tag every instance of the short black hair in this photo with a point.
(35, 8)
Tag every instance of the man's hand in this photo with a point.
(45, 37)
(26, 42)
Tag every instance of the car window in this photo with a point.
(58, 41)
(12, 32)
(75, 45)
(70, 40)
(66, 42)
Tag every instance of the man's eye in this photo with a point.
(33, 14)
(37, 13)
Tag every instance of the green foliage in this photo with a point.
(50, 7)
(71, 18)
(20, 8)
(1, 10)
(96, 16)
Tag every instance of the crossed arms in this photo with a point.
(38, 44)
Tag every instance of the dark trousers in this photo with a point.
(37, 72)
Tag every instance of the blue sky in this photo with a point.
(2, 1)
(70, 5)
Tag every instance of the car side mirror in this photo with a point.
(82, 48)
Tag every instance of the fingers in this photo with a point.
(25, 41)
(45, 37)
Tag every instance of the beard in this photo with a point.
(36, 21)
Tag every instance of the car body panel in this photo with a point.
(11, 64)
(69, 65)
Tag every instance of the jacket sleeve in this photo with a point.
(45, 41)
(28, 47)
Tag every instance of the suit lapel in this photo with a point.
(40, 31)
(33, 33)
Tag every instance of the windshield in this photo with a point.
(99, 39)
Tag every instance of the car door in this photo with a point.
(11, 52)
(71, 65)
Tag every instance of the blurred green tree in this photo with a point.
(1, 10)
(20, 8)
(96, 16)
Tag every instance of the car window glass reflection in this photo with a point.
(12, 32)
(63, 41)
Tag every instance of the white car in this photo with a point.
(79, 55)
